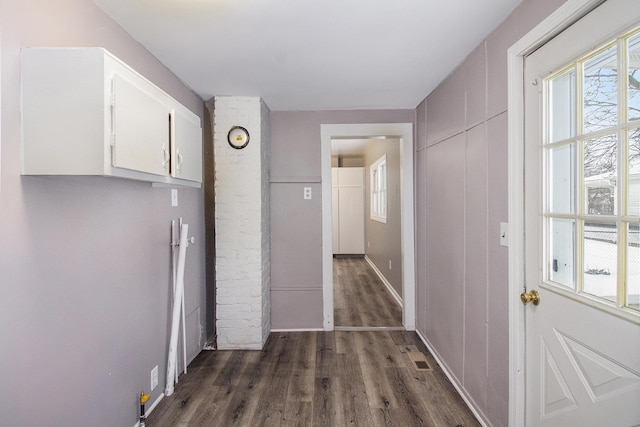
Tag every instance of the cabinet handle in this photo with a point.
(180, 161)
(165, 155)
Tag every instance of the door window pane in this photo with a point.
(633, 267)
(600, 91)
(561, 248)
(562, 109)
(592, 178)
(561, 171)
(633, 64)
(600, 261)
(600, 175)
(633, 193)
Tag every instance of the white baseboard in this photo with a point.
(368, 328)
(151, 408)
(384, 280)
(467, 399)
(299, 330)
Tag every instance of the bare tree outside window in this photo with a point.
(600, 109)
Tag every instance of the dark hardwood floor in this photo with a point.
(360, 298)
(315, 379)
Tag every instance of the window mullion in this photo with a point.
(623, 170)
(579, 180)
(579, 255)
(622, 264)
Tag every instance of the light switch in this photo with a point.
(174, 197)
(307, 193)
(504, 234)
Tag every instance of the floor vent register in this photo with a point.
(419, 361)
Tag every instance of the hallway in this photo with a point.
(315, 379)
(360, 297)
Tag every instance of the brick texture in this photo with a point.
(243, 262)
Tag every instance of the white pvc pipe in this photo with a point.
(172, 358)
(184, 333)
(175, 243)
(184, 337)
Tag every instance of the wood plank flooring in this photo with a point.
(360, 298)
(315, 379)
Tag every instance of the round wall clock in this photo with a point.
(238, 137)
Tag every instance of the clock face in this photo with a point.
(238, 137)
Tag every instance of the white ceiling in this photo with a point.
(311, 54)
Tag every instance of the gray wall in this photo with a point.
(461, 190)
(383, 241)
(85, 261)
(296, 224)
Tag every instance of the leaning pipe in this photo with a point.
(172, 359)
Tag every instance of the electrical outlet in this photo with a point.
(154, 377)
(389, 264)
(307, 193)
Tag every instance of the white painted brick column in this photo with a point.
(243, 259)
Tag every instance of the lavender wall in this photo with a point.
(461, 190)
(296, 224)
(383, 241)
(85, 261)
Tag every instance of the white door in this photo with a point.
(351, 226)
(351, 210)
(582, 255)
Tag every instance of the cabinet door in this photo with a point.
(351, 201)
(351, 177)
(141, 129)
(186, 146)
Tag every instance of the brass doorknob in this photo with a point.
(530, 297)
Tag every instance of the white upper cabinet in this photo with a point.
(84, 112)
(186, 148)
(350, 177)
(141, 135)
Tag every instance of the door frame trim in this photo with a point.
(404, 131)
(562, 18)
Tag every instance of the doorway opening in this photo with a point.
(366, 233)
(403, 134)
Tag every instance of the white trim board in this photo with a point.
(384, 280)
(562, 18)
(404, 131)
